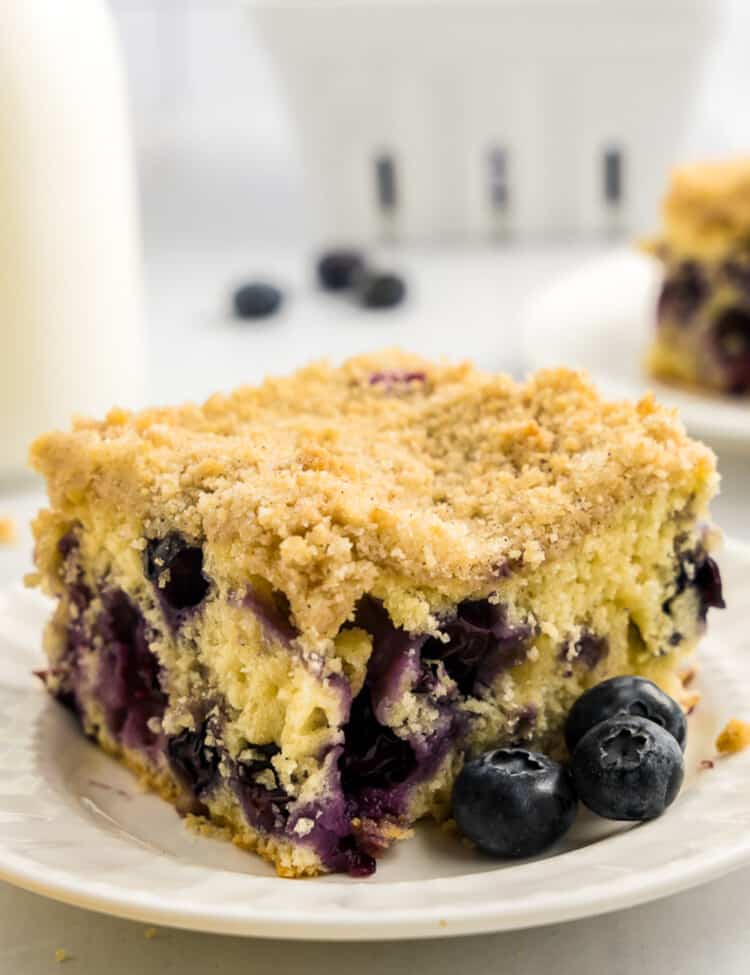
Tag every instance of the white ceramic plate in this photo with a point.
(599, 318)
(74, 827)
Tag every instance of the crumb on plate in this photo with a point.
(734, 738)
(7, 531)
(690, 701)
(688, 675)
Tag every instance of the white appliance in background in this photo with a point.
(477, 118)
(70, 285)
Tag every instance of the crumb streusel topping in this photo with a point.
(325, 482)
(707, 207)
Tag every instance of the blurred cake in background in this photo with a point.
(702, 335)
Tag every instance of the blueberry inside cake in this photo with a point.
(703, 313)
(295, 610)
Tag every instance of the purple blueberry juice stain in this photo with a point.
(68, 674)
(378, 768)
(481, 645)
(68, 544)
(128, 685)
(731, 341)
(394, 664)
(589, 650)
(371, 776)
(394, 380)
(374, 757)
(698, 571)
(332, 836)
(274, 616)
(175, 568)
(194, 760)
(264, 808)
(737, 273)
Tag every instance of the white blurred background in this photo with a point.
(218, 159)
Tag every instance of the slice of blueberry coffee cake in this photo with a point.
(702, 335)
(295, 609)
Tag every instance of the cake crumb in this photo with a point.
(150, 933)
(61, 955)
(7, 531)
(690, 701)
(202, 827)
(442, 923)
(734, 738)
(688, 676)
(449, 826)
(706, 763)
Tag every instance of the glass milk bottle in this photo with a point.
(70, 288)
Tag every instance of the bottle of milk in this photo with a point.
(70, 287)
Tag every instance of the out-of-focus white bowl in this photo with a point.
(468, 118)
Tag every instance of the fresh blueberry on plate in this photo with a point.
(627, 768)
(633, 696)
(256, 300)
(338, 269)
(377, 290)
(513, 803)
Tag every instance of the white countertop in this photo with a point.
(195, 349)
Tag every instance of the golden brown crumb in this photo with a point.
(150, 933)
(62, 955)
(690, 701)
(734, 738)
(707, 207)
(688, 675)
(7, 531)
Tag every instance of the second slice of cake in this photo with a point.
(295, 609)
(702, 335)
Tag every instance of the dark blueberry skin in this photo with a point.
(627, 696)
(627, 768)
(264, 808)
(513, 803)
(731, 338)
(194, 762)
(481, 645)
(697, 570)
(257, 300)
(380, 290)
(128, 685)
(374, 756)
(338, 269)
(187, 585)
(683, 292)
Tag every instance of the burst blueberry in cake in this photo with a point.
(702, 335)
(296, 609)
